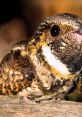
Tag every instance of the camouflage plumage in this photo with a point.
(49, 64)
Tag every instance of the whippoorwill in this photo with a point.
(49, 64)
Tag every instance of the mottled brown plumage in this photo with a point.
(48, 65)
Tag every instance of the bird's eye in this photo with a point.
(55, 30)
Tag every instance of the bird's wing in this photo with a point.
(16, 72)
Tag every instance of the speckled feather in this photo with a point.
(47, 65)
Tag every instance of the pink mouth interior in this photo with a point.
(80, 32)
(78, 36)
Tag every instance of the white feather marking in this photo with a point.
(16, 48)
(53, 61)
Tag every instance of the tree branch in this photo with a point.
(19, 107)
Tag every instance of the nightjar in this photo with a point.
(49, 64)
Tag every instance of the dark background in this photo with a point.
(20, 18)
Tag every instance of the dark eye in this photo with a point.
(55, 30)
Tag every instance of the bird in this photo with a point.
(48, 65)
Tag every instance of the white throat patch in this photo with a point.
(53, 61)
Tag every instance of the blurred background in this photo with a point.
(20, 18)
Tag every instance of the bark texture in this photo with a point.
(20, 107)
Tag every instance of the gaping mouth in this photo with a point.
(78, 35)
(80, 31)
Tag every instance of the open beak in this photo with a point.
(78, 35)
(80, 31)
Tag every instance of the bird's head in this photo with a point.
(59, 25)
(62, 36)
